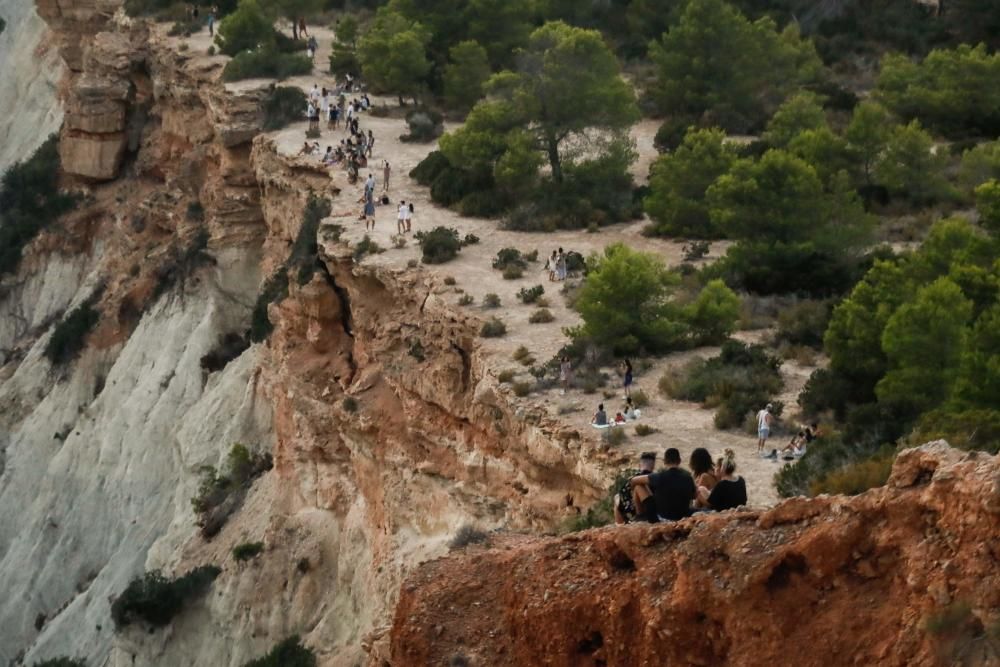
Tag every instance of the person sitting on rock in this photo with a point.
(673, 488)
(619, 418)
(795, 448)
(703, 469)
(630, 410)
(731, 490)
(636, 503)
(600, 417)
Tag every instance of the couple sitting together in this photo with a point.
(673, 493)
(628, 413)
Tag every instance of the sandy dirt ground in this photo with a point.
(679, 424)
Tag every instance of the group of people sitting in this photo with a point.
(796, 447)
(628, 412)
(673, 493)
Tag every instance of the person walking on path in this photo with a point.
(211, 22)
(565, 374)
(409, 216)
(369, 209)
(764, 420)
(302, 28)
(371, 142)
(401, 218)
(386, 172)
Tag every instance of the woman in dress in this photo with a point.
(627, 381)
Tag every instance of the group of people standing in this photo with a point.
(556, 265)
(673, 493)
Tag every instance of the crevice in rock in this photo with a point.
(346, 319)
(466, 365)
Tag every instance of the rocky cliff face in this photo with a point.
(32, 68)
(903, 575)
(99, 459)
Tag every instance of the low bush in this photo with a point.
(695, 250)
(508, 257)
(283, 106)
(855, 478)
(530, 294)
(30, 200)
(491, 300)
(506, 376)
(366, 246)
(741, 379)
(520, 353)
(229, 347)
(266, 63)
(639, 398)
(467, 535)
(219, 495)
(541, 316)
(156, 600)
(804, 323)
(275, 289)
(288, 653)
(466, 300)
(470, 239)
(398, 241)
(70, 336)
(423, 125)
(522, 389)
(449, 280)
(247, 550)
(180, 262)
(616, 436)
(493, 328)
(513, 273)
(195, 211)
(642, 430)
(350, 404)
(439, 245)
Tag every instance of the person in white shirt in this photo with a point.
(401, 217)
(314, 94)
(764, 420)
(409, 216)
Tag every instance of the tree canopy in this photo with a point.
(393, 53)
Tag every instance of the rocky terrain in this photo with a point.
(901, 575)
(382, 410)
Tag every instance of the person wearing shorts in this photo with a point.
(764, 419)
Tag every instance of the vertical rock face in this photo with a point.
(32, 68)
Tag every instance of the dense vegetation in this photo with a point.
(30, 200)
(156, 600)
(70, 335)
(287, 653)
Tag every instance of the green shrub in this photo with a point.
(350, 404)
(493, 328)
(642, 430)
(424, 125)
(70, 336)
(530, 294)
(541, 316)
(712, 316)
(506, 376)
(247, 550)
(219, 495)
(491, 300)
(508, 257)
(439, 245)
(522, 389)
(449, 280)
(30, 200)
(156, 600)
(470, 239)
(245, 29)
(366, 246)
(288, 653)
(513, 273)
(343, 61)
(428, 169)
(282, 107)
(855, 478)
(275, 289)
(804, 323)
(181, 261)
(266, 63)
(467, 535)
(520, 353)
(741, 379)
(466, 300)
(600, 513)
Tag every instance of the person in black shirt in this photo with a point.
(731, 491)
(673, 488)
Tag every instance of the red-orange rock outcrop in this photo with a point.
(908, 574)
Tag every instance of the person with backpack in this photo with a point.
(636, 504)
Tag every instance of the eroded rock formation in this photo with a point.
(908, 574)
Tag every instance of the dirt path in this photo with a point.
(679, 424)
